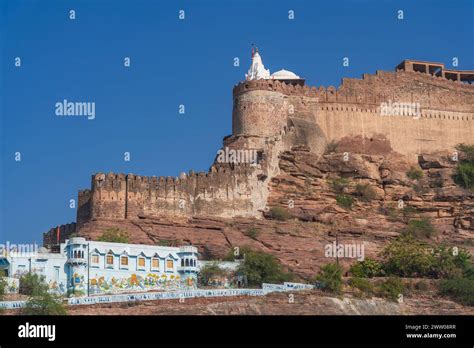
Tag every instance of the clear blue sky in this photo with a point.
(173, 62)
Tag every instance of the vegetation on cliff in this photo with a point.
(259, 267)
(114, 235)
(464, 175)
(330, 278)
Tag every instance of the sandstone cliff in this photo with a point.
(304, 189)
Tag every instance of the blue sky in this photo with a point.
(173, 62)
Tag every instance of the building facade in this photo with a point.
(85, 267)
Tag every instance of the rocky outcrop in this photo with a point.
(303, 188)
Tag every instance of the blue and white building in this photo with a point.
(85, 267)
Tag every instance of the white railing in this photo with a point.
(169, 295)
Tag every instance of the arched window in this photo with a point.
(187, 262)
(75, 254)
(182, 262)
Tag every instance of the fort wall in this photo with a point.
(446, 118)
(223, 191)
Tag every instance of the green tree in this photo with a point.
(366, 269)
(407, 257)
(464, 174)
(330, 277)
(40, 301)
(32, 284)
(210, 271)
(44, 304)
(114, 235)
(259, 267)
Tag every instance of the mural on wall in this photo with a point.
(57, 288)
(137, 282)
(78, 281)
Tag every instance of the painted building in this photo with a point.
(89, 267)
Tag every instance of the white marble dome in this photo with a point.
(284, 75)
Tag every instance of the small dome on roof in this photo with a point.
(284, 75)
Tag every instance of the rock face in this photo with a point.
(305, 303)
(305, 190)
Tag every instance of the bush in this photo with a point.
(252, 233)
(279, 213)
(415, 173)
(114, 235)
(259, 267)
(447, 264)
(32, 284)
(421, 228)
(459, 289)
(345, 201)
(363, 285)
(44, 304)
(407, 257)
(365, 192)
(464, 175)
(330, 278)
(40, 302)
(208, 272)
(366, 269)
(392, 288)
(339, 184)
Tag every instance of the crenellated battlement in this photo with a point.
(371, 89)
(125, 196)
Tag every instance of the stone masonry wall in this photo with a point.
(263, 108)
